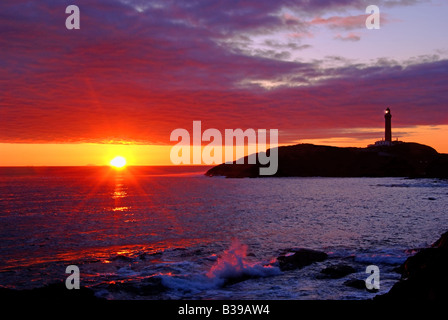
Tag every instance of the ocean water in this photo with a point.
(173, 233)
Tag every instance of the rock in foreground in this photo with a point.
(52, 292)
(300, 259)
(425, 275)
(338, 271)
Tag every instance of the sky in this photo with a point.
(137, 70)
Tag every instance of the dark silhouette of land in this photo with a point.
(307, 160)
(423, 275)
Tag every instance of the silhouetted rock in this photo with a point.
(306, 160)
(338, 271)
(356, 283)
(442, 242)
(359, 284)
(300, 259)
(425, 275)
(56, 291)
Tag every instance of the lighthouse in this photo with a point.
(387, 141)
(388, 125)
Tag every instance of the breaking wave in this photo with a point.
(231, 267)
(233, 263)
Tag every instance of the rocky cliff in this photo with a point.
(307, 160)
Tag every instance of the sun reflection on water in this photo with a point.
(120, 194)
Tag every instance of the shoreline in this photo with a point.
(407, 159)
(422, 278)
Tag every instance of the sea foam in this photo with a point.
(230, 267)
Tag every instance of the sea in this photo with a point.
(173, 233)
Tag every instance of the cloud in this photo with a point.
(338, 22)
(349, 37)
(137, 70)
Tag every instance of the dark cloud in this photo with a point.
(136, 70)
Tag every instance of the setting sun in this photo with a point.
(118, 162)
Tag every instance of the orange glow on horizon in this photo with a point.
(82, 154)
(432, 136)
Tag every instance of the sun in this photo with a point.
(118, 162)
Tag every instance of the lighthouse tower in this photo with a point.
(387, 141)
(388, 125)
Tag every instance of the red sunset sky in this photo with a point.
(137, 70)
